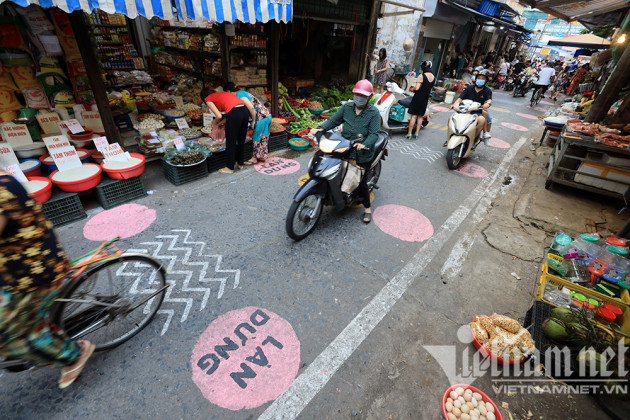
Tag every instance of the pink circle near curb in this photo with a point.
(498, 143)
(278, 166)
(245, 358)
(440, 109)
(472, 170)
(124, 221)
(514, 126)
(529, 116)
(403, 223)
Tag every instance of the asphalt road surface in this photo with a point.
(308, 312)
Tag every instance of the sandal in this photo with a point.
(237, 166)
(251, 162)
(226, 171)
(408, 136)
(71, 373)
(367, 217)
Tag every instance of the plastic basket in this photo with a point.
(111, 193)
(63, 208)
(277, 141)
(622, 302)
(178, 175)
(218, 159)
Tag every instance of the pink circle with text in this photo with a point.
(529, 116)
(514, 126)
(245, 358)
(472, 170)
(498, 143)
(440, 109)
(124, 221)
(278, 166)
(403, 223)
(546, 103)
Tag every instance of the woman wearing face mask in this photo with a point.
(359, 117)
(380, 73)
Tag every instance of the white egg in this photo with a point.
(465, 409)
(451, 416)
(459, 390)
(465, 417)
(453, 395)
(457, 404)
(490, 416)
(477, 396)
(449, 406)
(482, 409)
(461, 400)
(489, 407)
(468, 397)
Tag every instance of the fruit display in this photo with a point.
(503, 337)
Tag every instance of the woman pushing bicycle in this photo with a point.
(33, 266)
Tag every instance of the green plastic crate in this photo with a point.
(63, 208)
(112, 192)
(179, 175)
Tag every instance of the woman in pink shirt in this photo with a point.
(228, 108)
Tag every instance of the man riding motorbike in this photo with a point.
(481, 93)
(359, 117)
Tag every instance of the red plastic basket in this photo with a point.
(126, 173)
(304, 133)
(486, 353)
(43, 195)
(81, 185)
(497, 413)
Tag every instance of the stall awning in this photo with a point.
(581, 41)
(589, 13)
(249, 11)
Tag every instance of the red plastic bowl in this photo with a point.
(126, 173)
(36, 171)
(82, 185)
(497, 413)
(45, 193)
(85, 135)
(486, 353)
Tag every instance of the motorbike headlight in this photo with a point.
(331, 172)
(342, 150)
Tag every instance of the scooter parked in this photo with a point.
(462, 127)
(395, 117)
(324, 185)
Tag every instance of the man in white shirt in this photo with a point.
(546, 75)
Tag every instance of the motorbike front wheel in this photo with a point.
(453, 159)
(303, 216)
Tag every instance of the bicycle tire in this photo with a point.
(91, 315)
(535, 98)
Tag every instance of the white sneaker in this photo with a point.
(485, 137)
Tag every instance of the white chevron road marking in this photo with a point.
(190, 269)
(416, 150)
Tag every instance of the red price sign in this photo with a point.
(100, 142)
(114, 152)
(16, 172)
(181, 123)
(56, 142)
(74, 126)
(179, 143)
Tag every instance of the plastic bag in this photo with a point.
(352, 179)
(24, 77)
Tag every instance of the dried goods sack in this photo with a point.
(486, 323)
(524, 340)
(506, 323)
(6, 81)
(63, 99)
(36, 19)
(10, 37)
(53, 83)
(49, 65)
(24, 77)
(35, 98)
(8, 101)
(480, 333)
(63, 28)
(7, 116)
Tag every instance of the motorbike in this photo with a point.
(462, 126)
(397, 96)
(509, 83)
(326, 172)
(524, 84)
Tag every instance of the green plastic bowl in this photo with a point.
(298, 147)
(316, 111)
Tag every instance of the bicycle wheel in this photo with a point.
(535, 98)
(112, 302)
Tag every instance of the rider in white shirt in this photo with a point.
(546, 75)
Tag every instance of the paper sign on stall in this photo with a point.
(16, 134)
(207, 119)
(93, 121)
(100, 142)
(114, 152)
(179, 102)
(16, 172)
(63, 127)
(181, 123)
(49, 122)
(64, 155)
(179, 143)
(7, 156)
(74, 126)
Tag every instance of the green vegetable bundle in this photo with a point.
(301, 124)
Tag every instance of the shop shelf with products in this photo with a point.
(247, 55)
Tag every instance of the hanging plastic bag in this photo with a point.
(352, 178)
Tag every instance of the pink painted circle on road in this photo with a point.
(529, 116)
(498, 143)
(537, 108)
(546, 103)
(124, 221)
(472, 170)
(278, 166)
(245, 358)
(403, 223)
(514, 126)
(440, 109)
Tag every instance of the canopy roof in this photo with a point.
(248, 11)
(589, 13)
(581, 41)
